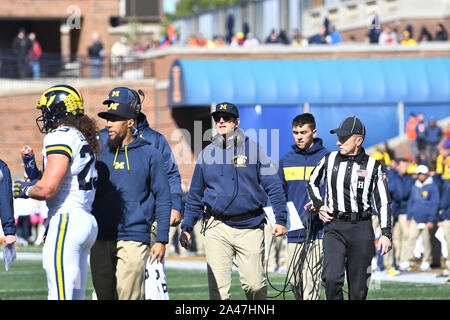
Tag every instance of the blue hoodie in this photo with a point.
(132, 190)
(158, 142)
(423, 202)
(295, 168)
(6, 200)
(234, 181)
(400, 204)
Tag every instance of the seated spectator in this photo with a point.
(251, 41)
(441, 33)
(334, 37)
(425, 35)
(272, 38)
(386, 36)
(407, 40)
(319, 38)
(234, 41)
(240, 38)
(283, 38)
(218, 41)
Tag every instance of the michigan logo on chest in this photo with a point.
(119, 165)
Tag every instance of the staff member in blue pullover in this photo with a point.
(159, 142)
(305, 245)
(423, 205)
(133, 190)
(444, 222)
(231, 181)
(6, 205)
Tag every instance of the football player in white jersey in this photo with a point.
(68, 184)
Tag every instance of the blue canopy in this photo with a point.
(292, 82)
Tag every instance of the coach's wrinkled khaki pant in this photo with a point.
(446, 227)
(118, 269)
(307, 280)
(413, 234)
(222, 244)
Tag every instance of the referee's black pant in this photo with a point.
(347, 247)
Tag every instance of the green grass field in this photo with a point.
(26, 281)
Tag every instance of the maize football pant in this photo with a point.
(69, 239)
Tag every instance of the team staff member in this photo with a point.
(133, 189)
(158, 141)
(353, 181)
(305, 245)
(6, 205)
(68, 185)
(231, 180)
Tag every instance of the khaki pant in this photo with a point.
(222, 244)
(400, 239)
(275, 252)
(413, 235)
(446, 227)
(118, 269)
(308, 257)
(199, 238)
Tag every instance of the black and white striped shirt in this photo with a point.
(353, 183)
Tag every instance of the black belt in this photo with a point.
(238, 217)
(353, 216)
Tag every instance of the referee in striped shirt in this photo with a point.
(353, 182)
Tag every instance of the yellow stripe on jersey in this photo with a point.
(59, 255)
(59, 149)
(297, 173)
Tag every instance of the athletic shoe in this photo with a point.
(425, 266)
(393, 272)
(404, 266)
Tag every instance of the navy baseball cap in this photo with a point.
(226, 107)
(120, 103)
(350, 126)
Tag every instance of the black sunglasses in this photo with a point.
(225, 117)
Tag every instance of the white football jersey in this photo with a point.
(77, 190)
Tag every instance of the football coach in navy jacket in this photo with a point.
(232, 181)
(132, 190)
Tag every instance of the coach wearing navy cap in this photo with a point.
(132, 192)
(229, 189)
(354, 181)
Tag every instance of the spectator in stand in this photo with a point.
(119, 51)
(420, 130)
(374, 31)
(407, 39)
(386, 36)
(240, 38)
(34, 54)
(283, 38)
(433, 135)
(20, 47)
(272, 38)
(234, 42)
(425, 35)
(334, 37)
(96, 54)
(251, 41)
(296, 38)
(319, 38)
(441, 33)
(411, 135)
(422, 212)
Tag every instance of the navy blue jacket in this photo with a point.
(295, 168)
(433, 134)
(6, 200)
(234, 181)
(158, 142)
(405, 182)
(423, 203)
(444, 205)
(132, 190)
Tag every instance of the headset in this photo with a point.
(136, 104)
(238, 139)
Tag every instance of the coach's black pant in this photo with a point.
(347, 247)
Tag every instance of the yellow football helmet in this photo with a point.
(56, 103)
